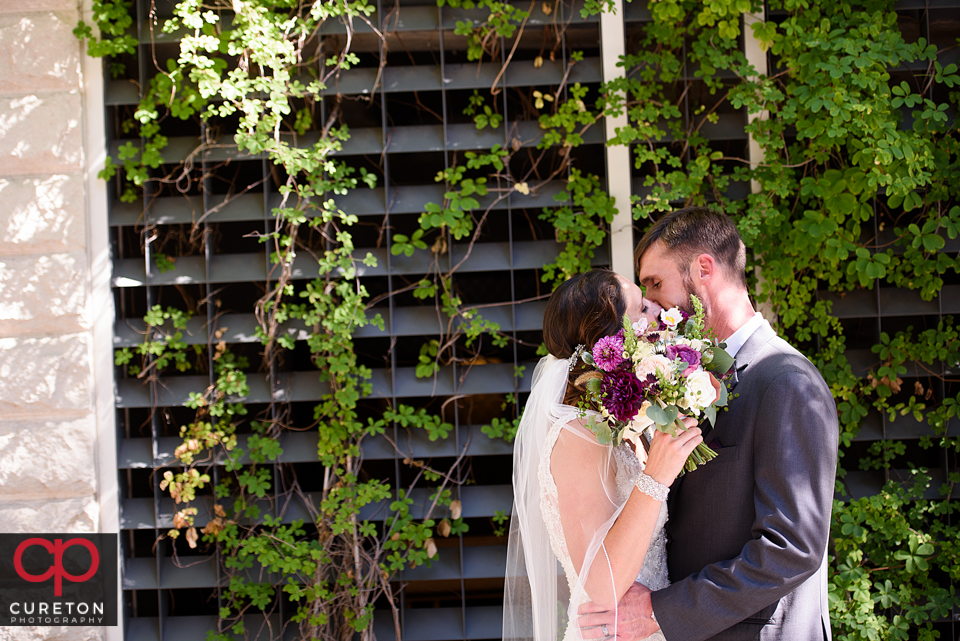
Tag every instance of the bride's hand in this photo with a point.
(669, 453)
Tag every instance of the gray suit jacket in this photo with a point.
(748, 531)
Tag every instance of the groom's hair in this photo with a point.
(692, 231)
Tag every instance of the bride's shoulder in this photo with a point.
(573, 426)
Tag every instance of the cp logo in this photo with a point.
(56, 570)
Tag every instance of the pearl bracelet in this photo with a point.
(652, 488)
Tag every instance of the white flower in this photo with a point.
(650, 364)
(641, 326)
(671, 317)
(700, 391)
(642, 350)
(636, 427)
(694, 343)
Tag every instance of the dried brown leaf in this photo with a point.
(444, 528)
(192, 537)
(213, 526)
(180, 519)
(586, 376)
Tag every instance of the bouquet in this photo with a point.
(648, 377)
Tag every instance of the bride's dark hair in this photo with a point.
(581, 311)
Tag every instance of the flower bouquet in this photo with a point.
(648, 377)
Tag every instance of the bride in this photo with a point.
(588, 519)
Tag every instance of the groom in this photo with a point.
(747, 532)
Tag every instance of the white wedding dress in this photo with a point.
(653, 574)
(542, 587)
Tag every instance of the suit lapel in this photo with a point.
(749, 351)
(741, 364)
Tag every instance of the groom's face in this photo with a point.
(666, 283)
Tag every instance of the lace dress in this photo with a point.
(653, 574)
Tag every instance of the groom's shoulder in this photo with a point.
(780, 357)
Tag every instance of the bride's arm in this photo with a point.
(585, 476)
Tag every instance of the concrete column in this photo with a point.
(613, 47)
(757, 57)
(57, 453)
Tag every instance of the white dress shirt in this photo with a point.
(739, 337)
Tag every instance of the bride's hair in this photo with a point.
(581, 311)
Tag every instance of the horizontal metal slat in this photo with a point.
(428, 624)
(854, 304)
(407, 18)
(195, 628)
(860, 484)
(442, 624)
(408, 139)
(301, 447)
(479, 562)
(478, 501)
(521, 73)
(405, 321)
(181, 210)
(736, 190)
(253, 267)
(899, 301)
(493, 378)
(571, 15)
(411, 199)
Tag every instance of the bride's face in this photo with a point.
(637, 306)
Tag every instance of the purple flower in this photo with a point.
(622, 395)
(651, 386)
(686, 354)
(608, 352)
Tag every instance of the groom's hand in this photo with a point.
(634, 617)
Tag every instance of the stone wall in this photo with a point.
(48, 388)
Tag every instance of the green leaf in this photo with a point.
(933, 243)
(721, 361)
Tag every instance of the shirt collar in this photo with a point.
(739, 337)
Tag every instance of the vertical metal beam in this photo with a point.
(612, 45)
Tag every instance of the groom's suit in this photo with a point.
(748, 531)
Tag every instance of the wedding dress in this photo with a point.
(543, 587)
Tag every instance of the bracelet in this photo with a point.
(652, 488)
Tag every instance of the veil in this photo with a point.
(579, 488)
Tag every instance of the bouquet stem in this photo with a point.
(700, 454)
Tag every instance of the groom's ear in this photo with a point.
(704, 268)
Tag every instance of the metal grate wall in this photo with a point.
(405, 130)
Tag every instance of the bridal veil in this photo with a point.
(539, 601)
